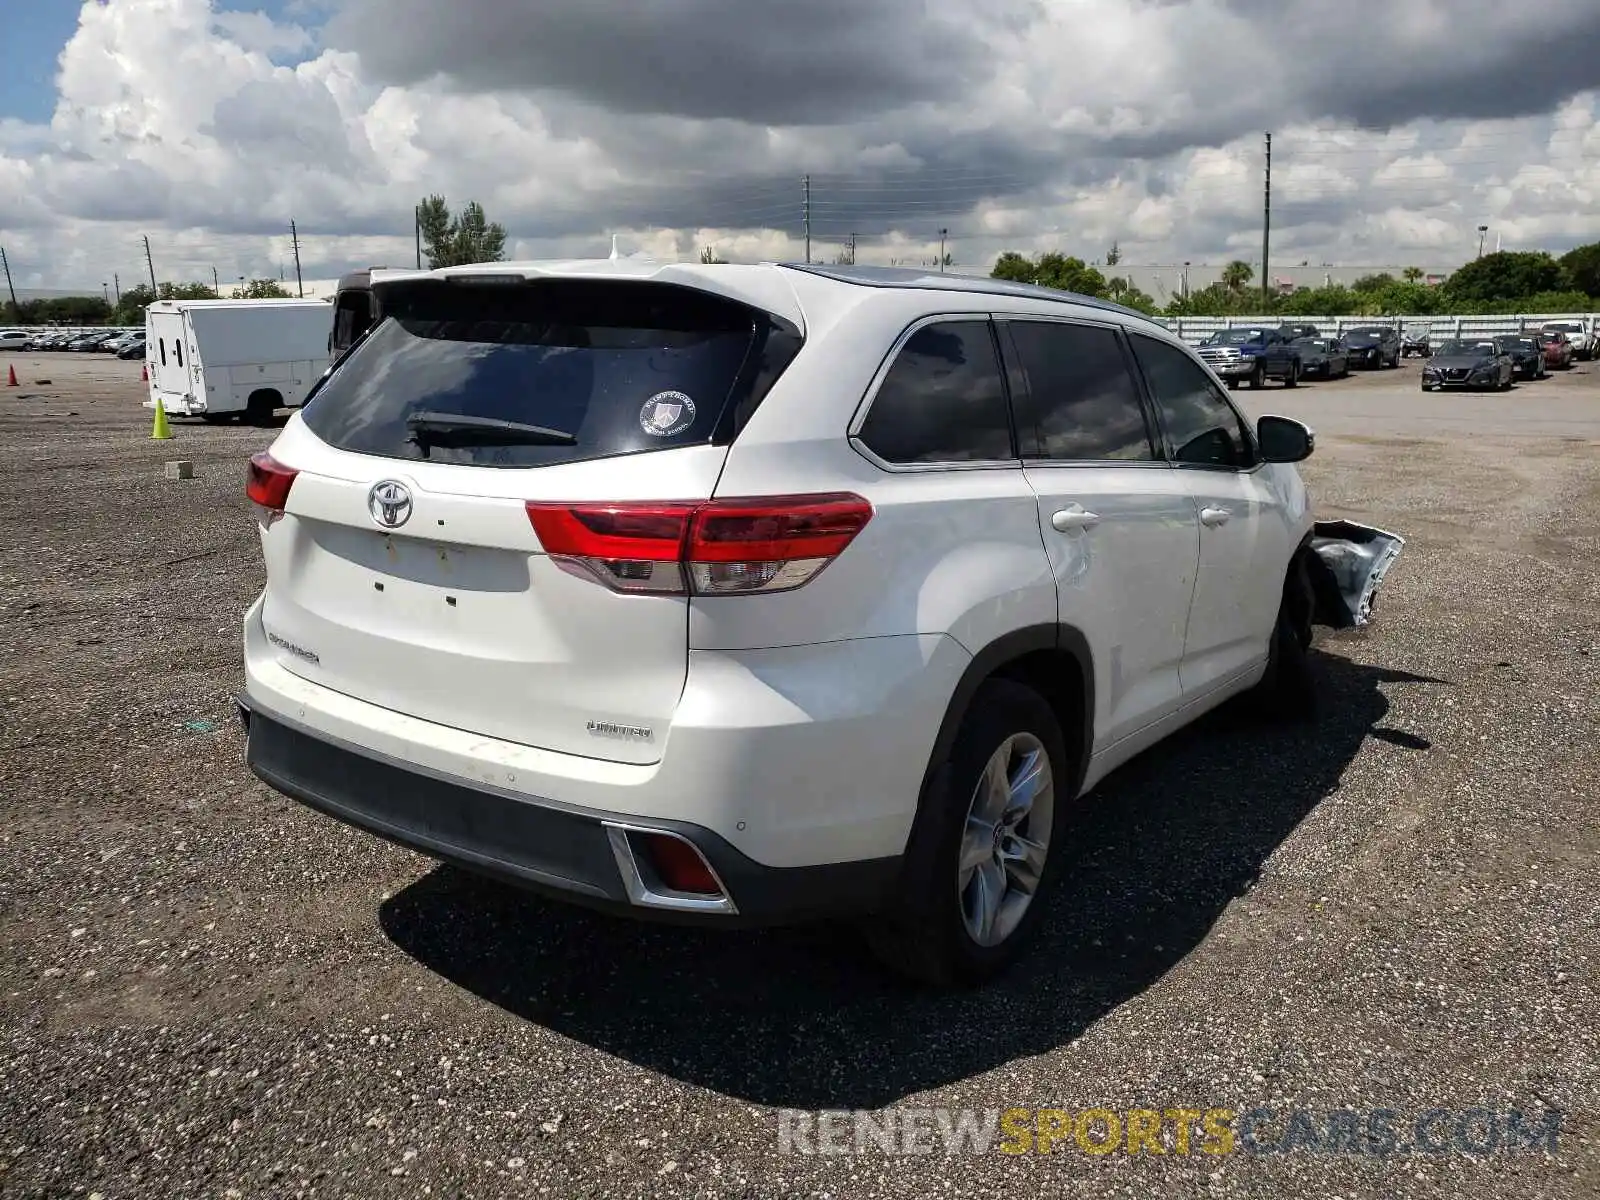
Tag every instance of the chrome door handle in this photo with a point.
(1214, 516)
(1076, 517)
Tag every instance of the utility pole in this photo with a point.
(416, 217)
(1266, 233)
(294, 236)
(805, 213)
(852, 249)
(116, 287)
(105, 292)
(943, 233)
(1483, 232)
(216, 284)
(16, 309)
(155, 292)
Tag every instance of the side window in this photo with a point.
(161, 342)
(1082, 400)
(177, 349)
(942, 399)
(1202, 427)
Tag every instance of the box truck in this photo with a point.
(218, 359)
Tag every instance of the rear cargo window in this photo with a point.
(527, 374)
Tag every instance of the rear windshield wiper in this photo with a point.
(458, 429)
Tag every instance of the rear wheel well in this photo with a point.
(258, 409)
(1058, 677)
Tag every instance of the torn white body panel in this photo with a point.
(1353, 560)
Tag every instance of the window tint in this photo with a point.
(1201, 426)
(162, 343)
(1082, 400)
(942, 400)
(621, 367)
(177, 349)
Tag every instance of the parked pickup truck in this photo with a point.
(1251, 352)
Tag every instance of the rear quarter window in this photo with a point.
(623, 367)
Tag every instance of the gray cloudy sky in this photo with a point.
(1023, 124)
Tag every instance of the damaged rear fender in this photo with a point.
(1345, 563)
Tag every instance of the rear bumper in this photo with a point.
(581, 856)
(794, 771)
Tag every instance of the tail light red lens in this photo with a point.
(267, 482)
(715, 547)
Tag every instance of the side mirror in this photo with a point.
(1284, 440)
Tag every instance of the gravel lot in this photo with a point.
(206, 990)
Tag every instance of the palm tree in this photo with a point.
(1411, 274)
(1235, 275)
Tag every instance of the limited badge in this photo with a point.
(666, 413)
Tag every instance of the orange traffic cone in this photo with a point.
(12, 381)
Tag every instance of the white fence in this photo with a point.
(1197, 329)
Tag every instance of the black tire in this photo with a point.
(1288, 689)
(924, 937)
(1258, 374)
(1292, 379)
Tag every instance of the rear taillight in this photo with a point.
(711, 548)
(268, 481)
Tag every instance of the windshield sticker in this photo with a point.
(666, 413)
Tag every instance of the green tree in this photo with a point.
(1113, 255)
(262, 289)
(1236, 275)
(130, 309)
(1333, 301)
(1373, 283)
(1582, 266)
(187, 291)
(68, 310)
(453, 241)
(1123, 292)
(1412, 274)
(1070, 274)
(1509, 275)
(709, 256)
(1215, 300)
(1015, 267)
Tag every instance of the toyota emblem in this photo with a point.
(389, 503)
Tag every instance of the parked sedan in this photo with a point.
(1585, 344)
(1558, 351)
(1323, 358)
(1373, 346)
(1527, 354)
(1468, 363)
(1417, 339)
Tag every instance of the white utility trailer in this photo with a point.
(226, 358)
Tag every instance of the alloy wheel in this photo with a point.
(1006, 839)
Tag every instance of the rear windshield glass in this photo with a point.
(610, 367)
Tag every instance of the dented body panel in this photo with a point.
(1346, 564)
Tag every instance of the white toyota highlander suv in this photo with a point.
(745, 594)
